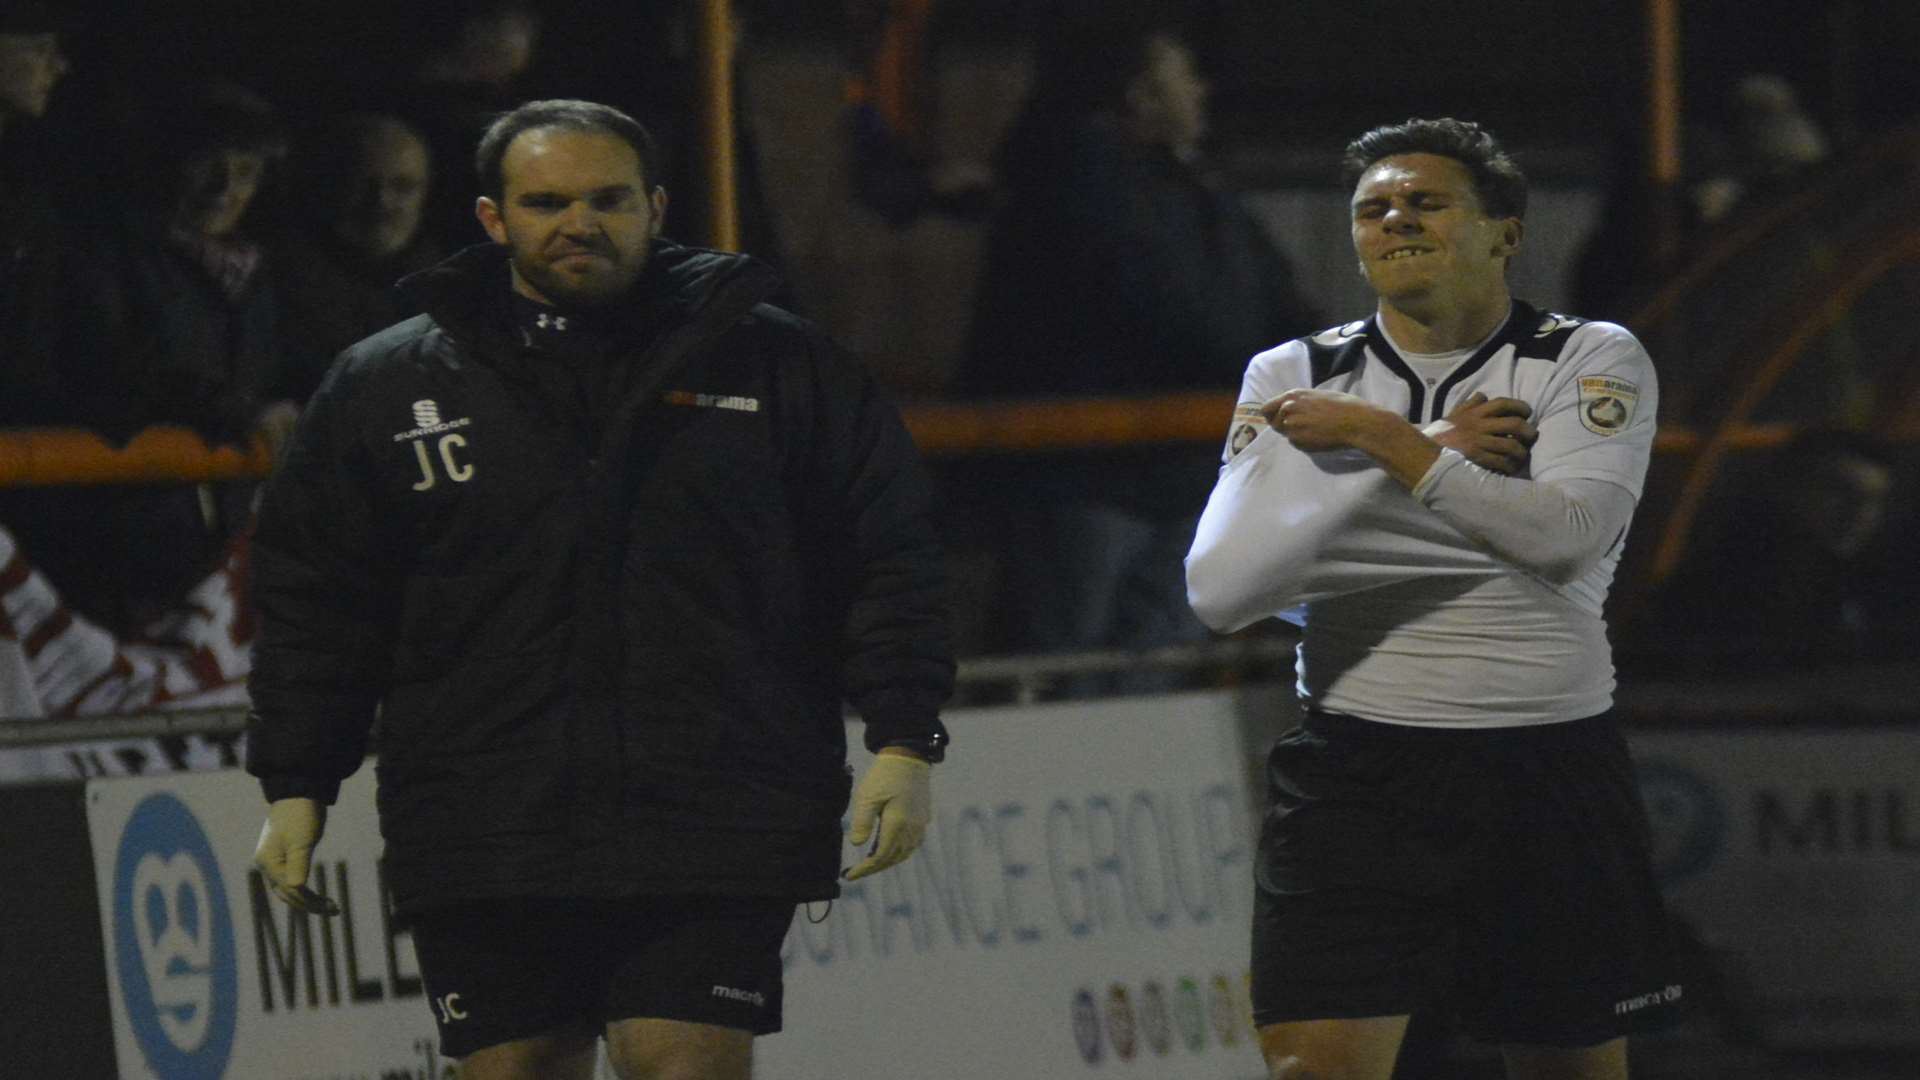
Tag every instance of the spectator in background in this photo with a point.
(31, 63)
(890, 117)
(1762, 149)
(56, 350)
(473, 68)
(200, 297)
(33, 237)
(189, 328)
(1801, 571)
(363, 182)
(1771, 140)
(1119, 264)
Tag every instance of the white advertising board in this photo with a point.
(209, 977)
(1796, 855)
(1081, 907)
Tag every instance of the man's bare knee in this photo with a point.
(559, 1056)
(650, 1049)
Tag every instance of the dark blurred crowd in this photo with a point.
(205, 257)
(193, 248)
(184, 250)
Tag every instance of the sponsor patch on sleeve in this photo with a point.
(1247, 425)
(1606, 403)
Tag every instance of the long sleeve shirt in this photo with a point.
(1473, 600)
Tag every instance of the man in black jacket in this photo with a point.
(607, 541)
(1118, 265)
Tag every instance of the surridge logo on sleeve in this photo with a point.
(427, 424)
(1606, 403)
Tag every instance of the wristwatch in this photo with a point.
(932, 746)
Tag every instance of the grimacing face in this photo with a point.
(576, 215)
(1423, 239)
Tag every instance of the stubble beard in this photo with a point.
(592, 290)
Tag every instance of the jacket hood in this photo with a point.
(468, 293)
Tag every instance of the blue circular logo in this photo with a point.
(173, 942)
(1689, 824)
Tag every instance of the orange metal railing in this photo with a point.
(31, 457)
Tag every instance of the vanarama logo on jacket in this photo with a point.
(711, 401)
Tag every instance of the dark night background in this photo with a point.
(1285, 74)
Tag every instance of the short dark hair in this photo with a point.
(218, 115)
(560, 113)
(1498, 183)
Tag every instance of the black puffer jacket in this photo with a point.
(604, 664)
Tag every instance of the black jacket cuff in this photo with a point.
(924, 734)
(300, 787)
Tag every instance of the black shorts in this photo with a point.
(512, 969)
(1501, 875)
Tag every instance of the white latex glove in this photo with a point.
(285, 853)
(898, 790)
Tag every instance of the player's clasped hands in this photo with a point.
(1320, 419)
(1496, 434)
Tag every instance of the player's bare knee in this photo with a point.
(664, 1050)
(554, 1057)
(685, 1067)
(688, 1070)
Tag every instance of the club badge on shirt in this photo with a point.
(1606, 404)
(1247, 424)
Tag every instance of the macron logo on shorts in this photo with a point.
(752, 997)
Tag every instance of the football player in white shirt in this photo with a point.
(1438, 495)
